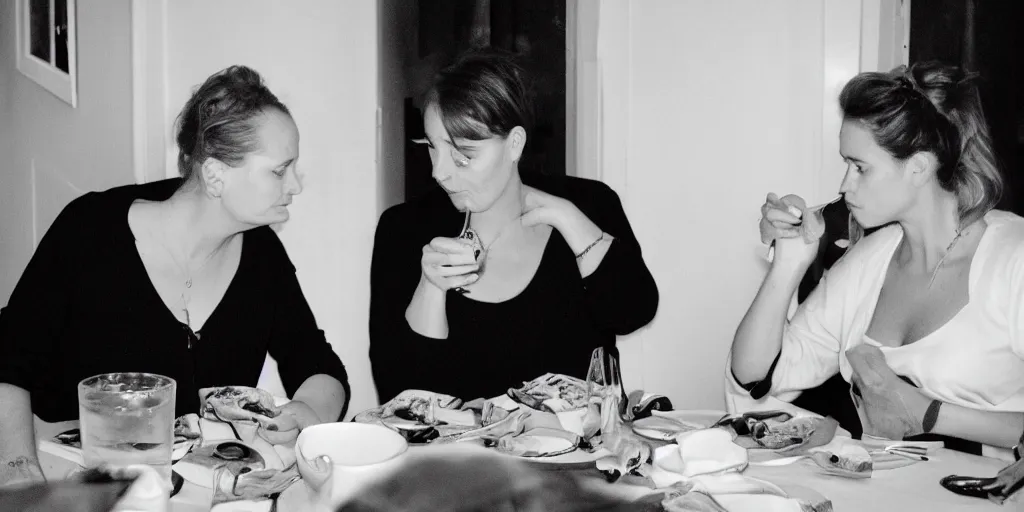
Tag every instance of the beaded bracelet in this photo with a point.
(591, 246)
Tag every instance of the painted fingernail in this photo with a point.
(272, 428)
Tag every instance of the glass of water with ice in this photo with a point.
(127, 419)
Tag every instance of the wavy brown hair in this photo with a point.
(935, 108)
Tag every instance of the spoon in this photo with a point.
(465, 225)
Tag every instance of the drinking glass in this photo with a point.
(128, 419)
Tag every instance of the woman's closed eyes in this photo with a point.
(460, 159)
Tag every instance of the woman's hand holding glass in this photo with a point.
(449, 263)
(782, 224)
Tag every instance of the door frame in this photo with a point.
(152, 158)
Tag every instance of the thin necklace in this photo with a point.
(188, 278)
(471, 233)
(949, 248)
(500, 233)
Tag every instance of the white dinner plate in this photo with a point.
(686, 420)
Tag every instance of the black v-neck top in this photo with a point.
(553, 325)
(85, 305)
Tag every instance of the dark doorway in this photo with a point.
(533, 29)
(982, 36)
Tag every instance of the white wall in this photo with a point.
(51, 153)
(320, 58)
(693, 111)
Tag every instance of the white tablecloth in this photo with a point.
(911, 488)
(915, 487)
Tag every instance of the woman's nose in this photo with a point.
(294, 183)
(848, 183)
(441, 168)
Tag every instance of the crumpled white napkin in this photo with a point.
(712, 463)
(699, 452)
(277, 457)
(842, 456)
(735, 492)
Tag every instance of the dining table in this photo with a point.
(912, 487)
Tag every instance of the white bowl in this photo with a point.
(337, 459)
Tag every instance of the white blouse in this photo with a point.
(974, 360)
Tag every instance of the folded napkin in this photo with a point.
(700, 452)
(842, 456)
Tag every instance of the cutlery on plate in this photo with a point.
(913, 454)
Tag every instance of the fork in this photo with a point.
(799, 214)
(465, 224)
(465, 228)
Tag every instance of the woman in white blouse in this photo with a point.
(935, 297)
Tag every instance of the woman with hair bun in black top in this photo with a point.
(181, 277)
(497, 277)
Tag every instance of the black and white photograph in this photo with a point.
(511, 255)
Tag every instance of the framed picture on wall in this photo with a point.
(46, 46)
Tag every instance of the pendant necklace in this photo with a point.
(485, 248)
(188, 281)
(949, 248)
(480, 250)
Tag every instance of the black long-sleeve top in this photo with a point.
(552, 326)
(85, 305)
